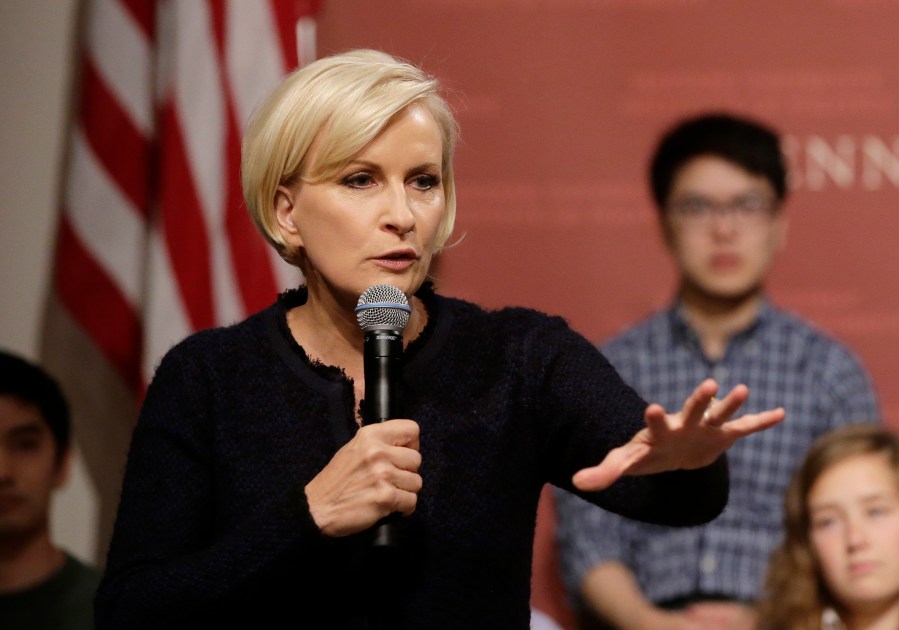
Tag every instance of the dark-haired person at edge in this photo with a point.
(41, 586)
(251, 489)
(719, 183)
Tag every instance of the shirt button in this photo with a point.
(708, 563)
(719, 372)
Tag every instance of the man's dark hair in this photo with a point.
(746, 143)
(31, 385)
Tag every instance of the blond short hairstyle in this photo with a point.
(341, 103)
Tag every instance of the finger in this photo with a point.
(398, 494)
(611, 468)
(404, 458)
(406, 502)
(709, 418)
(753, 422)
(399, 432)
(696, 404)
(388, 474)
(723, 410)
(657, 421)
(407, 481)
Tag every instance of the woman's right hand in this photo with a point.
(373, 475)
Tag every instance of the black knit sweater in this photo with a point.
(213, 526)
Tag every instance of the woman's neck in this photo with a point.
(882, 617)
(327, 330)
(329, 334)
(717, 319)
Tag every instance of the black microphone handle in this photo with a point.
(383, 348)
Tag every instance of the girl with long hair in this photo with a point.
(838, 567)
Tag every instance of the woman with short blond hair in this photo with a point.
(253, 487)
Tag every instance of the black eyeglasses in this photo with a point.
(747, 209)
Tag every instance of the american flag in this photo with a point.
(154, 241)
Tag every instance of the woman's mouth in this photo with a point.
(862, 568)
(396, 261)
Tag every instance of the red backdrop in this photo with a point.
(560, 104)
(561, 101)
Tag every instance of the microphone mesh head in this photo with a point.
(382, 305)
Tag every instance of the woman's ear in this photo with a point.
(286, 216)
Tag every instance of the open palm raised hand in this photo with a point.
(692, 438)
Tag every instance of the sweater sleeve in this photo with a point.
(169, 557)
(588, 410)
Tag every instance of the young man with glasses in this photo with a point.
(719, 183)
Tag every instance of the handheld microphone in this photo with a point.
(383, 312)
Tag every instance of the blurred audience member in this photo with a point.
(719, 183)
(838, 567)
(41, 586)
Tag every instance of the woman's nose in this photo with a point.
(856, 534)
(398, 214)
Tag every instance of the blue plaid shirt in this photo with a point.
(786, 363)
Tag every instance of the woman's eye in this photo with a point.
(878, 510)
(425, 182)
(358, 180)
(823, 523)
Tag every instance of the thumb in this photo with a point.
(610, 469)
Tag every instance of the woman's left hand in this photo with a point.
(692, 438)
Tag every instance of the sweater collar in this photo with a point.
(417, 353)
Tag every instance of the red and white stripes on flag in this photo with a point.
(154, 241)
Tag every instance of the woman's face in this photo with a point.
(376, 221)
(854, 520)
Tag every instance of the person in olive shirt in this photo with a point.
(41, 586)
